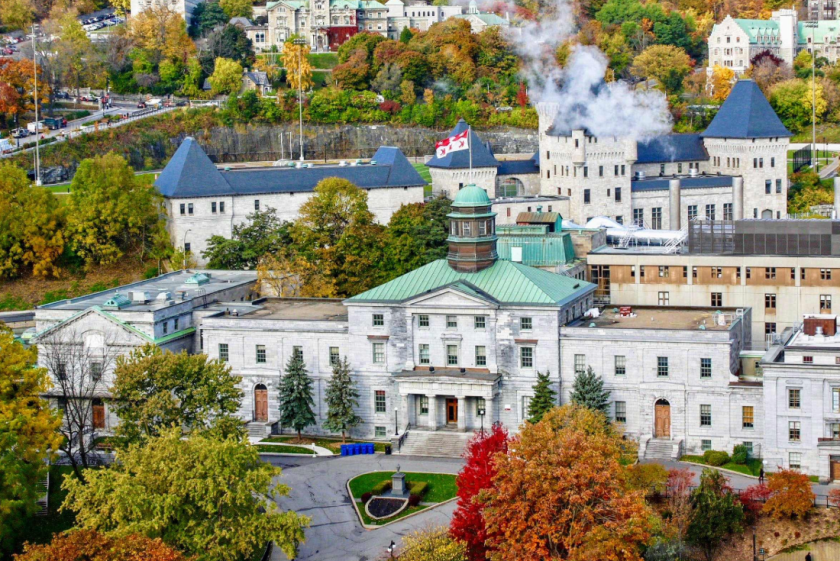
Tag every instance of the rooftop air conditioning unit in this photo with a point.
(639, 175)
(140, 296)
(693, 172)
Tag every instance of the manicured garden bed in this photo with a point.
(439, 487)
(331, 444)
(275, 449)
(752, 467)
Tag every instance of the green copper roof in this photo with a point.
(471, 196)
(504, 281)
(825, 32)
(756, 28)
(537, 251)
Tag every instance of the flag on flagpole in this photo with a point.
(453, 144)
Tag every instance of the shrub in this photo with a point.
(150, 272)
(650, 478)
(413, 500)
(753, 498)
(791, 496)
(717, 458)
(834, 497)
(418, 488)
(381, 487)
(740, 454)
(366, 497)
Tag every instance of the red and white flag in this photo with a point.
(453, 144)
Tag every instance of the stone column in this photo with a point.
(432, 411)
(462, 414)
(488, 413)
(404, 412)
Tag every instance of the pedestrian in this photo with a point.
(808, 556)
(761, 477)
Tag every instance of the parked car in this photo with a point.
(35, 126)
(141, 105)
(20, 133)
(6, 146)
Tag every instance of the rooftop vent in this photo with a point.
(639, 175)
(118, 301)
(140, 297)
(198, 278)
(164, 296)
(693, 172)
(342, 163)
(373, 162)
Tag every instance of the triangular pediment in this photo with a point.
(95, 319)
(459, 294)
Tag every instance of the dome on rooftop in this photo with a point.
(471, 196)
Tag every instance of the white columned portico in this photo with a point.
(432, 411)
(488, 412)
(404, 412)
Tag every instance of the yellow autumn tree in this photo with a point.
(162, 35)
(28, 432)
(296, 61)
(721, 82)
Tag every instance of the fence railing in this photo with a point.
(820, 501)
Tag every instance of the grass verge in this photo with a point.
(752, 467)
(276, 449)
(441, 486)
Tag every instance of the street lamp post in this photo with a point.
(185, 247)
(300, 42)
(37, 126)
(813, 25)
(481, 414)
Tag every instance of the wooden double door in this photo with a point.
(261, 403)
(835, 468)
(662, 419)
(451, 411)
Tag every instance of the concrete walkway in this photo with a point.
(319, 450)
(319, 490)
(820, 551)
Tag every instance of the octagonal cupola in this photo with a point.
(472, 231)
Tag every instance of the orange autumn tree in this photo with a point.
(561, 492)
(790, 494)
(90, 545)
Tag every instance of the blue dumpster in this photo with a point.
(343, 449)
(370, 449)
(357, 449)
(351, 450)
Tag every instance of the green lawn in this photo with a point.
(275, 449)
(332, 444)
(752, 467)
(423, 170)
(40, 529)
(829, 132)
(320, 79)
(9, 303)
(323, 60)
(441, 485)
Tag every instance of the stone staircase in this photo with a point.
(659, 449)
(258, 429)
(441, 443)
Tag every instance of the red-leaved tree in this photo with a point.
(753, 499)
(468, 520)
(522, 96)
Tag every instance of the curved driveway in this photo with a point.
(318, 490)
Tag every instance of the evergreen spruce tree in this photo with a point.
(543, 400)
(588, 390)
(342, 399)
(296, 396)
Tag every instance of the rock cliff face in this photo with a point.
(241, 144)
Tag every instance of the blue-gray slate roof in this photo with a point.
(519, 167)
(672, 148)
(482, 157)
(190, 173)
(700, 182)
(746, 113)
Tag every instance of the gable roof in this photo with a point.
(504, 282)
(482, 157)
(746, 113)
(258, 77)
(190, 173)
(755, 28)
(671, 148)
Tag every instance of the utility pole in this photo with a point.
(300, 42)
(37, 126)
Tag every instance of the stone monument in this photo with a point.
(398, 488)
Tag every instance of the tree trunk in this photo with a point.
(343, 439)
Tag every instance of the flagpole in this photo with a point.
(469, 145)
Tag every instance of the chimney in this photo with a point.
(737, 198)
(674, 206)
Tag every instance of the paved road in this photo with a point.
(335, 534)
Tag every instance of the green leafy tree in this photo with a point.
(203, 495)
(237, 8)
(716, 513)
(261, 234)
(207, 16)
(17, 14)
(417, 235)
(588, 390)
(353, 74)
(28, 434)
(807, 190)
(156, 389)
(226, 77)
(544, 399)
(342, 400)
(228, 42)
(406, 35)
(31, 226)
(792, 100)
(667, 64)
(73, 60)
(110, 212)
(296, 401)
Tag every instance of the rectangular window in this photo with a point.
(793, 273)
(835, 400)
(794, 398)
(378, 353)
(221, 207)
(662, 366)
(749, 272)
(705, 415)
(664, 298)
(525, 324)
(770, 301)
(769, 327)
(717, 299)
(256, 204)
(638, 216)
(768, 186)
(620, 365)
(794, 431)
(664, 272)
(526, 357)
(424, 405)
(580, 364)
(165, 327)
(749, 447)
(452, 355)
(825, 302)
(480, 356)
(770, 273)
(795, 460)
(692, 212)
(586, 198)
(710, 212)
(335, 359)
(452, 322)
(480, 322)
(620, 411)
(618, 194)
(260, 354)
(825, 274)
(190, 208)
(297, 352)
(423, 321)
(727, 211)
(717, 272)
(600, 171)
(379, 401)
(224, 353)
(656, 218)
(705, 445)
(183, 209)
(778, 186)
(424, 354)
(213, 207)
(747, 417)
(96, 371)
(378, 320)
(379, 432)
(705, 368)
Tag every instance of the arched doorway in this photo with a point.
(260, 403)
(766, 214)
(662, 419)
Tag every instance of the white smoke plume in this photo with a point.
(583, 99)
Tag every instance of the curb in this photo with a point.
(719, 469)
